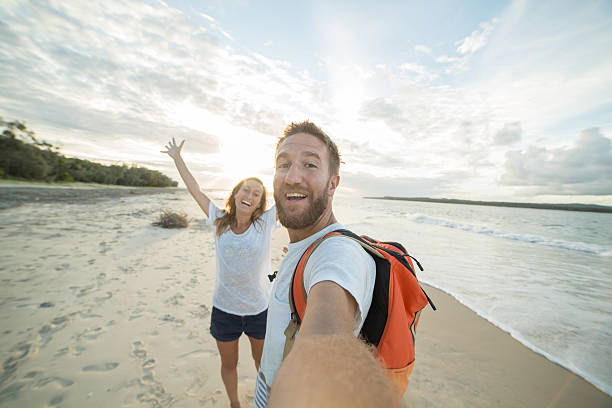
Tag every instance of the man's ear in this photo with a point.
(333, 184)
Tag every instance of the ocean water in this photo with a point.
(544, 276)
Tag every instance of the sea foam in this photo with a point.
(532, 239)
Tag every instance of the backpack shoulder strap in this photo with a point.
(297, 291)
(298, 295)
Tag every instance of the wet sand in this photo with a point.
(465, 361)
(16, 194)
(100, 308)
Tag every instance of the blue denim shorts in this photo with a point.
(229, 327)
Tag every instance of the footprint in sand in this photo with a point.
(101, 367)
(56, 401)
(127, 270)
(62, 267)
(84, 290)
(171, 319)
(47, 330)
(101, 278)
(176, 299)
(138, 350)
(193, 282)
(89, 315)
(200, 353)
(42, 382)
(90, 334)
(135, 313)
(101, 299)
(104, 247)
(20, 352)
(154, 392)
(201, 312)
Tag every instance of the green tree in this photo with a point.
(22, 155)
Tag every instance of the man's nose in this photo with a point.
(294, 175)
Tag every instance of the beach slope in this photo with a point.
(465, 361)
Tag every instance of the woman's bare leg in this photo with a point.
(229, 372)
(256, 350)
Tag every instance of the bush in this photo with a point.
(172, 219)
(22, 155)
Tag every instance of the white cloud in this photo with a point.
(476, 40)
(93, 74)
(510, 133)
(215, 26)
(57, 60)
(582, 169)
(421, 71)
(443, 59)
(207, 17)
(89, 77)
(422, 49)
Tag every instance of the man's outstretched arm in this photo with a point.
(328, 366)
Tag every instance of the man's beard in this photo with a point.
(305, 219)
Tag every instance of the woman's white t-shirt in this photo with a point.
(243, 263)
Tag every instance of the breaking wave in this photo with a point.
(532, 239)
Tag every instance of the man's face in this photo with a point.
(302, 184)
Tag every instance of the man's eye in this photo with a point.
(311, 166)
(282, 165)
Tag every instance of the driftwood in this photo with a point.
(172, 219)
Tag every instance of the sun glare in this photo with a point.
(243, 157)
(243, 152)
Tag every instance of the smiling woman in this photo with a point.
(242, 243)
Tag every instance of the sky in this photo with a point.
(476, 100)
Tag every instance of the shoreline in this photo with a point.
(463, 355)
(15, 195)
(6, 183)
(562, 207)
(524, 342)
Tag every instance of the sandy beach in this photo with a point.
(465, 361)
(99, 308)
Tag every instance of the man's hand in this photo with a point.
(173, 149)
(326, 371)
(328, 366)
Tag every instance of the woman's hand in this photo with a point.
(173, 149)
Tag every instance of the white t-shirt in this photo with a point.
(337, 259)
(243, 263)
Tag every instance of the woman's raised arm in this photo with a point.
(173, 150)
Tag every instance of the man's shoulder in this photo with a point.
(342, 250)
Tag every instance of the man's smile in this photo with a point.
(294, 196)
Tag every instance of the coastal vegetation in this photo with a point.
(24, 156)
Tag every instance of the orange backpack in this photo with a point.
(394, 313)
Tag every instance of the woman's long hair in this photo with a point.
(229, 218)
